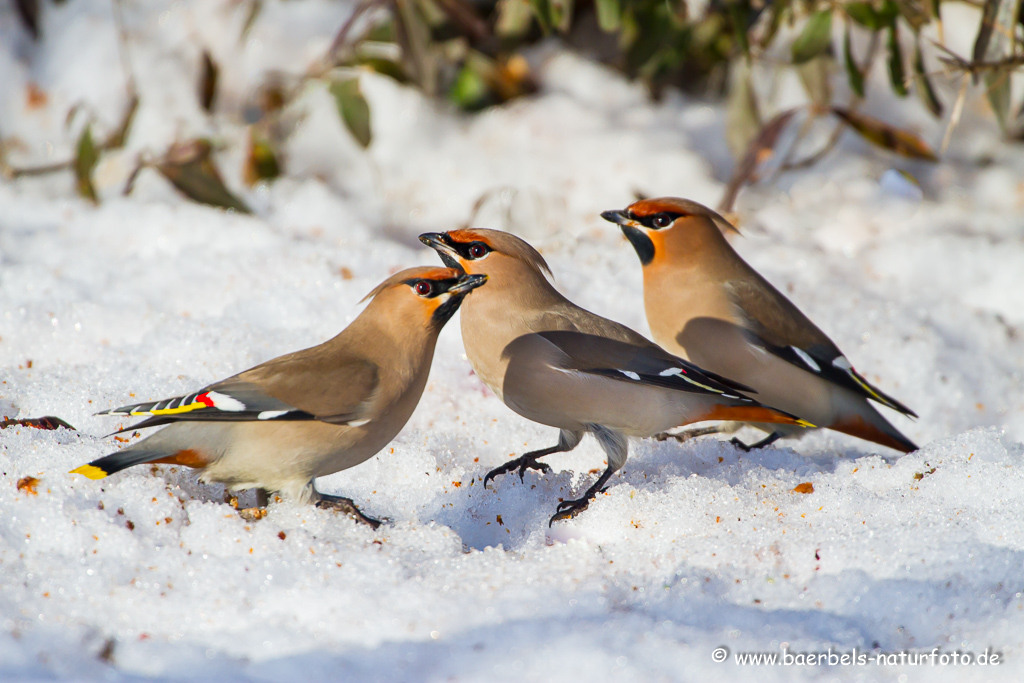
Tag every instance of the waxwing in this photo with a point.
(311, 413)
(560, 365)
(704, 303)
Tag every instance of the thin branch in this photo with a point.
(812, 159)
(342, 35)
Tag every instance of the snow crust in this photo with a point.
(149, 575)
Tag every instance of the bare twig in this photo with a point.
(342, 35)
(814, 158)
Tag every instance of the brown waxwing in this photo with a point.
(311, 413)
(706, 304)
(560, 365)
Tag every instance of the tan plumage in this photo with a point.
(560, 365)
(704, 303)
(311, 413)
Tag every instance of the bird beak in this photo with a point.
(467, 283)
(634, 232)
(620, 218)
(438, 241)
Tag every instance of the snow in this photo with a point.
(149, 575)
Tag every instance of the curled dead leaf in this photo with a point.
(887, 136)
(28, 485)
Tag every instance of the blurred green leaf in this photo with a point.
(561, 14)
(190, 168)
(853, 72)
(864, 14)
(778, 10)
(609, 14)
(923, 85)
(469, 91)
(118, 137)
(816, 77)
(742, 115)
(353, 109)
(542, 10)
(814, 39)
(914, 12)
(889, 137)
(739, 13)
(888, 13)
(261, 159)
(86, 157)
(514, 18)
(897, 76)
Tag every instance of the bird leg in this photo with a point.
(528, 461)
(345, 505)
(616, 449)
(568, 509)
(766, 441)
(688, 434)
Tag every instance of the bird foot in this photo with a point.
(522, 463)
(740, 445)
(568, 509)
(346, 505)
(767, 441)
(686, 435)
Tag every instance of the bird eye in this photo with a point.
(477, 250)
(661, 221)
(423, 288)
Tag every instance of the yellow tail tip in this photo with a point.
(805, 423)
(90, 471)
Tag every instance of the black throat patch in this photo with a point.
(641, 242)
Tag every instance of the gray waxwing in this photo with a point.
(311, 413)
(560, 365)
(704, 303)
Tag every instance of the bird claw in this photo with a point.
(767, 441)
(346, 505)
(522, 463)
(568, 509)
(739, 444)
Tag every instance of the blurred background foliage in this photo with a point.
(474, 54)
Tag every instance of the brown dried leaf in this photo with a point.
(897, 140)
(806, 487)
(48, 422)
(208, 82)
(760, 150)
(28, 485)
(190, 168)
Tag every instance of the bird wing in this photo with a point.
(644, 364)
(774, 324)
(297, 386)
(332, 384)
